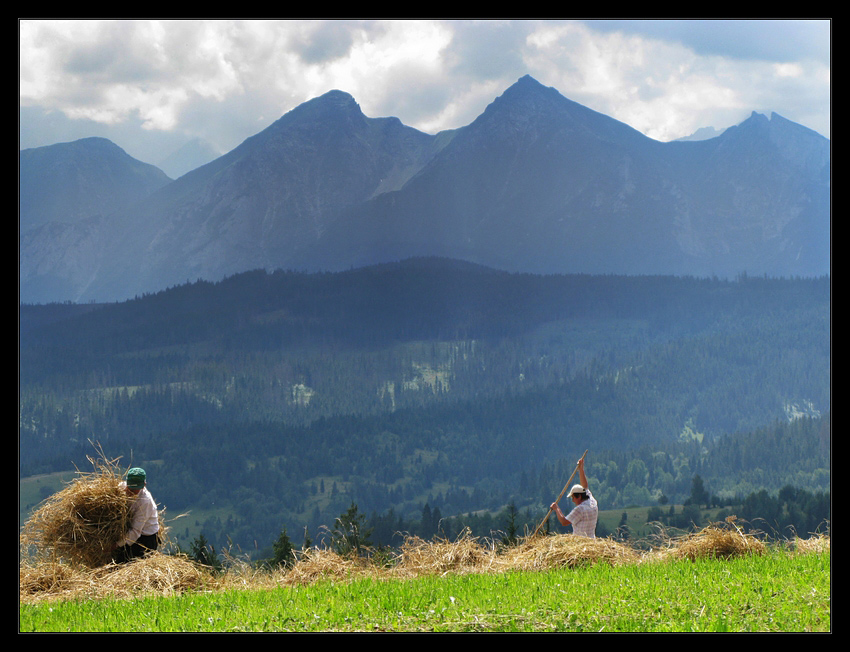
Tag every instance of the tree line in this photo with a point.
(781, 515)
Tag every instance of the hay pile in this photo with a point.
(48, 579)
(438, 557)
(83, 521)
(468, 555)
(566, 551)
(155, 574)
(323, 563)
(717, 541)
(817, 543)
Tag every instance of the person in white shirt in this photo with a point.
(143, 535)
(584, 515)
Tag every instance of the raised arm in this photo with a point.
(582, 478)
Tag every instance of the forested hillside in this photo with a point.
(282, 398)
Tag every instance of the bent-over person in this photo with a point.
(143, 535)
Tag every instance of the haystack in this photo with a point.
(717, 541)
(817, 543)
(156, 574)
(321, 563)
(566, 551)
(419, 557)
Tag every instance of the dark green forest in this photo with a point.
(274, 401)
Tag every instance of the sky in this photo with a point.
(150, 86)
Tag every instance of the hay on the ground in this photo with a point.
(162, 574)
(47, 579)
(566, 550)
(818, 542)
(440, 556)
(322, 563)
(717, 541)
(155, 574)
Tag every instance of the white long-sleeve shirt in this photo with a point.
(144, 518)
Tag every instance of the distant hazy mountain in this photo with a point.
(69, 182)
(703, 133)
(191, 155)
(67, 191)
(536, 183)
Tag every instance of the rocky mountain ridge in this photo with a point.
(537, 183)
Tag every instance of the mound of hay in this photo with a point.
(83, 521)
(566, 550)
(48, 579)
(816, 543)
(322, 563)
(155, 573)
(419, 557)
(717, 541)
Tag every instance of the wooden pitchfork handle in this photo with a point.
(563, 491)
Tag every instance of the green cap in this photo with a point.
(136, 478)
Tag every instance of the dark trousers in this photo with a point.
(143, 545)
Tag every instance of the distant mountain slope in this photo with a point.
(537, 183)
(191, 155)
(69, 182)
(67, 192)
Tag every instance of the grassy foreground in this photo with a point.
(775, 592)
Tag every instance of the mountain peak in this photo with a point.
(338, 98)
(528, 85)
(334, 101)
(87, 144)
(528, 81)
(326, 108)
(528, 102)
(526, 96)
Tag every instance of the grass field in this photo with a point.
(778, 591)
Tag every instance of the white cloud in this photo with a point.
(226, 80)
(662, 87)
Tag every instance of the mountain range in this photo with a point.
(537, 183)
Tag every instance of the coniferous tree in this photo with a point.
(511, 525)
(204, 553)
(699, 495)
(350, 536)
(284, 551)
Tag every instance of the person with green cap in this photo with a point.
(143, 534)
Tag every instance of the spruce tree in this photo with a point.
(350, 535)
(284, 551)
